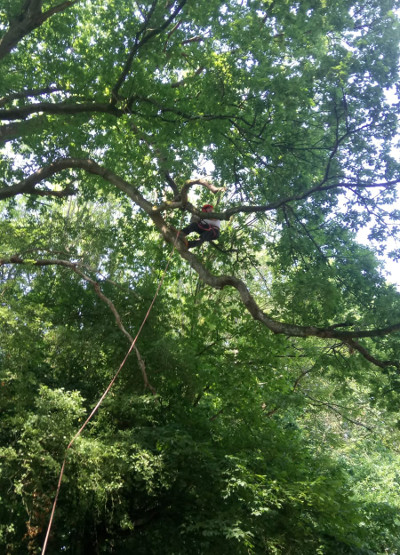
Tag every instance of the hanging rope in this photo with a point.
(79, 432)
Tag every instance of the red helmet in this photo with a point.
(205, 206)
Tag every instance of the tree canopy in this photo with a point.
(258, 412)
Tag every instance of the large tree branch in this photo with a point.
(22, 128)
(219, 282)
(30, 18)
(302, 196)
(253, 209)
(75, 267)
(203, 182)
(59, 108)
(27, 93)
(37, 123)
(28, 185)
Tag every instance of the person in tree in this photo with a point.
(207, 229)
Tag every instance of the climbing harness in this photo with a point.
(208, 227)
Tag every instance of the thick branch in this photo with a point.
(30, 18)
(366, 354)
(59, 108)
(22, 128)
(27, 93)
(293, 330)
(203, 182)
(302, 196)
(28, 186)
(219, 282)
(75, 268)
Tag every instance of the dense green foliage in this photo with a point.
(246, 423)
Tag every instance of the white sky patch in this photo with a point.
(392, 268)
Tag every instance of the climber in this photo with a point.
(207, 229)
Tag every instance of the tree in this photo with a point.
(113, 117)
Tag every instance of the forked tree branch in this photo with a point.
(28, 186)
(217, 282)
(30, 18)
(203, 182)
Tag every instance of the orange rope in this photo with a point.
(78, 433)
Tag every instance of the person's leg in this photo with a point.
(207, 235)
(194, 226)
(195, 243)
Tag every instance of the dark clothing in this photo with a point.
(207, 232)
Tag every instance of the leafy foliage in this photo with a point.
(264, 422)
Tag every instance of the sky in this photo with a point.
(391, 267)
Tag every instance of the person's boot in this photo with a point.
(191, 244)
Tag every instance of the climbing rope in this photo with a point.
(79, 432)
